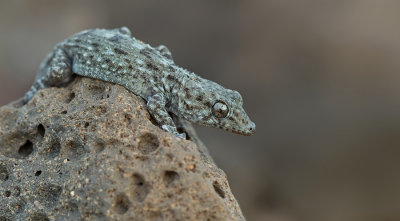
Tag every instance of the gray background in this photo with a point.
(319, 78)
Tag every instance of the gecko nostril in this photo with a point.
(252, 128)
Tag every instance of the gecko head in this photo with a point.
(209, 104)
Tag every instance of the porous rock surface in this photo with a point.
(90, 151)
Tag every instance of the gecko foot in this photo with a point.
(182, 135)
(174, 131)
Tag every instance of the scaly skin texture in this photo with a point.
(115, 56)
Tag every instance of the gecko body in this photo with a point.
(113, 55)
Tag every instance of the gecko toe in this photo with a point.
(182, 136)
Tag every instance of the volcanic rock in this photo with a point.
(90, 151)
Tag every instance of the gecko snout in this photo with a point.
(247, 131)
(252, 128)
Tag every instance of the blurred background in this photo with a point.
(320, 79)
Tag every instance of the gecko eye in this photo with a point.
(220, 109)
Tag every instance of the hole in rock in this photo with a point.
(3, 172)
(74, 149)
(141, 187)
(170, 176)
(64, 112)
(102, 109)
(70, 97)
(86, 124)
(148, 143)
(128, 119)
(71, 206)
(41, 130)
(38, 173)
(26, 149)
(99, 146)
(39, 217)
(121, 204)
(218, 189)
(53, 148)
(19, 206)
(48, 194)
(97, 91)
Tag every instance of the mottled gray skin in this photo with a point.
(115, 56)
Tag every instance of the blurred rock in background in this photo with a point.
(320, 79)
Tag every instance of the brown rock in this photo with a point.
(90, 151)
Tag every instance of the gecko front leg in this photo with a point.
(156, 107)
(54, 70)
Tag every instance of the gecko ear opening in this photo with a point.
(220, 109)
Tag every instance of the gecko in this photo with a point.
(113, 55)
